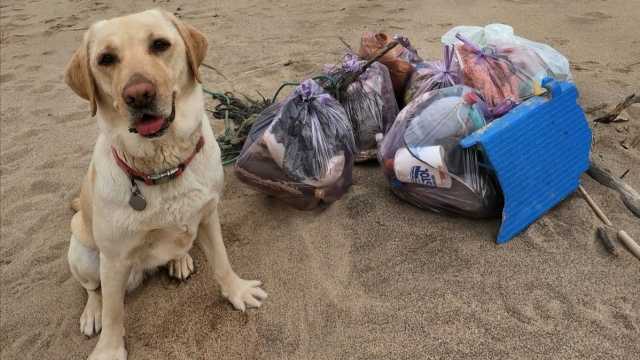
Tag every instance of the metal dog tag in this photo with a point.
(136, 201)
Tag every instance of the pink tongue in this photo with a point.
(149, 127)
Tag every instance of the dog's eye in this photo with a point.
(160, 45)
(107, 59)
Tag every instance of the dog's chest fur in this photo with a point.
(169, 223)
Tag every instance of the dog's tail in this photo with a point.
(75, 204)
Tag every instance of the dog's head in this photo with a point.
(133, 68)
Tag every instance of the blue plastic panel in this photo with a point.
(538, 151)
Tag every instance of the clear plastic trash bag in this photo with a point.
(505, 75)
(503, 35)
(369, 102)
(424, 163)
(300, 150)
(431, 75)
(399, 60)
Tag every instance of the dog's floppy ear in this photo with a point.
(195, 43)
(79, 77)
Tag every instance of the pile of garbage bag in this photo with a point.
(387, 102)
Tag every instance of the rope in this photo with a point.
(238, 115)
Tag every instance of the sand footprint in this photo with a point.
(588, 65)
(41, 187)
(624, 319)
(557, 41)
(27, 135)
(303, 66)
(540, 305)
(542, 235)
(523, 2)
(71, 117)
(51, 164)
(5, 78)
(618, 82)
(44, 89)
(592, 17)
(50, 20)
(40, 112)
(10, 157)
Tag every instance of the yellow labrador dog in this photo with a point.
(155, 179)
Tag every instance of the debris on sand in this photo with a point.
(618, 114)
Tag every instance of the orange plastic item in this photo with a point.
(399, 67)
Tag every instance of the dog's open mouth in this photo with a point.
(153, 125)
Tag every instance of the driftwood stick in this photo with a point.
(630, 243)
(380, 54)
(594, 206)
(345, 43)
(210, 67)
(630, 197)
(622, 235)
(604, 234)
(613, 114)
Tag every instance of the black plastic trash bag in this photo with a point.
(423, 161)
(300, 150)
(369, 101)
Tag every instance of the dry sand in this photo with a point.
(368, 278)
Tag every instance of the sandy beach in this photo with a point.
(370, 277)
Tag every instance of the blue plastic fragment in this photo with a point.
(538, 151)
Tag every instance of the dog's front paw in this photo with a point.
(109, 353)
(244, 293)
(181, 268)
(91, 319)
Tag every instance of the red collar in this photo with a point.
(161, 177)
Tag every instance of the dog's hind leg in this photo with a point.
(84, 263)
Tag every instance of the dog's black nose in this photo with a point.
(139, 92)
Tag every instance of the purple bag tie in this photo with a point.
(482, 53)
(444, 72)
(309, 90)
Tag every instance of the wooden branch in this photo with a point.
(630, 197)
(622, 235)
(351, 77)
(345, 43)
(613, 115)
(594, 206)
(630, 243)
(605, 237)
